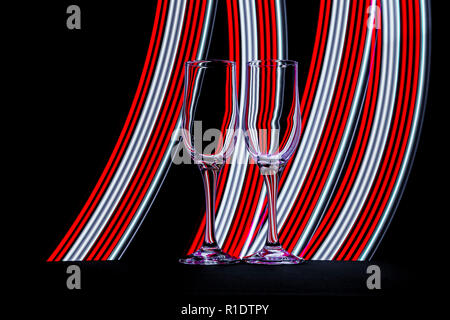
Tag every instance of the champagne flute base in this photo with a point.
(209, 256)
(273, 255)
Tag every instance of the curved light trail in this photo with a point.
(362, 109)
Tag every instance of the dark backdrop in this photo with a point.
(80, 85)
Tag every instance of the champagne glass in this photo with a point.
(210, 115)
(272, 127)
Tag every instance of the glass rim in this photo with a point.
(272, 63)
(211, 62)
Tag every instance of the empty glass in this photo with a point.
(272, 127)
(210, 115)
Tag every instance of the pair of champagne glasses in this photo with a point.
(270, 124)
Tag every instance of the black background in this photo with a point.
(72, 91)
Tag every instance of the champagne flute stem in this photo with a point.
(271, 180)
(209, 175)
